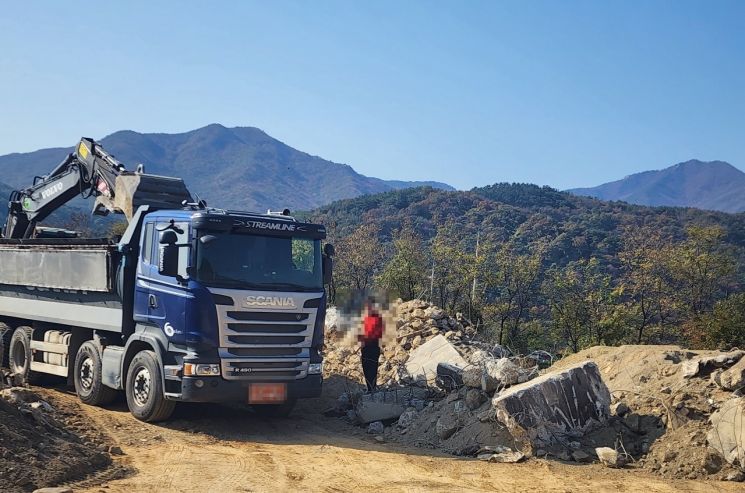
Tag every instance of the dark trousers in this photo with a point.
(370, 357)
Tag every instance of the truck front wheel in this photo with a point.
(87, 376)
(144, 389)
(20, 356)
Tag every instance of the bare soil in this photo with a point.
(227, 448)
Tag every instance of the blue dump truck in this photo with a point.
(191, 304)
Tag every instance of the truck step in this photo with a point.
(50, 369)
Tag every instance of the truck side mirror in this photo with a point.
(329, 250)
(168, 258)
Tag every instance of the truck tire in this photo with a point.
(5, 334)
(275, 410)
(87, 377)
(20, 356)
(144, 389)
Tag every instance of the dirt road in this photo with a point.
(220, 448)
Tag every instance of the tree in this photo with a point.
(511, 282)
(359, 257)
(724, 328)
(454, 269)
(643, 282)
(702, 271)
(582, 302)
(406, 273)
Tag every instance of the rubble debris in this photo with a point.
(581, 456)
(500, 454)
(446, 425)
(375, 428)
(474, 398)
(565, 403)
(387, 404)
(406, 418)
(694, 367)
(736, 476)
(409, 325)
(609, 457)
(619, 409)
(449, 377)
(734, 377)
(421, 366)
(727, 433)
(658, 420)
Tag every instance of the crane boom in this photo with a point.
(90, 171)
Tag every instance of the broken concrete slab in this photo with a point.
(555, 406)
(385, 405)
(421, 367)
(694, 367)
(727, 433)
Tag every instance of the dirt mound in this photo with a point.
(662, 416)
(42, 445)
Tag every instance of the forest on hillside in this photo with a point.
(535, 268)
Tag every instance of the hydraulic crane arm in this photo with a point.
(89, 171)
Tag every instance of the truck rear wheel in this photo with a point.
(87, 376)
(20, 355)
(5, 334)
(144, 389)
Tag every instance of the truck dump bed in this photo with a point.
(66, 281)
(64, 263)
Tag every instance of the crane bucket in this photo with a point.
(135, 189)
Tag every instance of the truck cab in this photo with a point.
(237, 302)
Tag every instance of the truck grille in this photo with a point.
(264, 343)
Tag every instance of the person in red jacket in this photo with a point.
(370, 340)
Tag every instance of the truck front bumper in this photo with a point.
(217, 389)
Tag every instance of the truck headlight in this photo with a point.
(202, 370)
(315, 368)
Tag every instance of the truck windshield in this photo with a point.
(245, 261)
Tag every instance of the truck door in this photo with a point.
(145, 266)
(167, 296)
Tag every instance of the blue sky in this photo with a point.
(563, 93)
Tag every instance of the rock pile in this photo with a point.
(408, 325)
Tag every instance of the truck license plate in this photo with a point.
(267, 393)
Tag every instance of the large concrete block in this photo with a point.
(421, 366)
(555, 406)
(727, 433)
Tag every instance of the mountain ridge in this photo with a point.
(707, 185)
(239, 167)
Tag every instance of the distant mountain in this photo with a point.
(713, 185)
(567, 227)
(241, 168)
